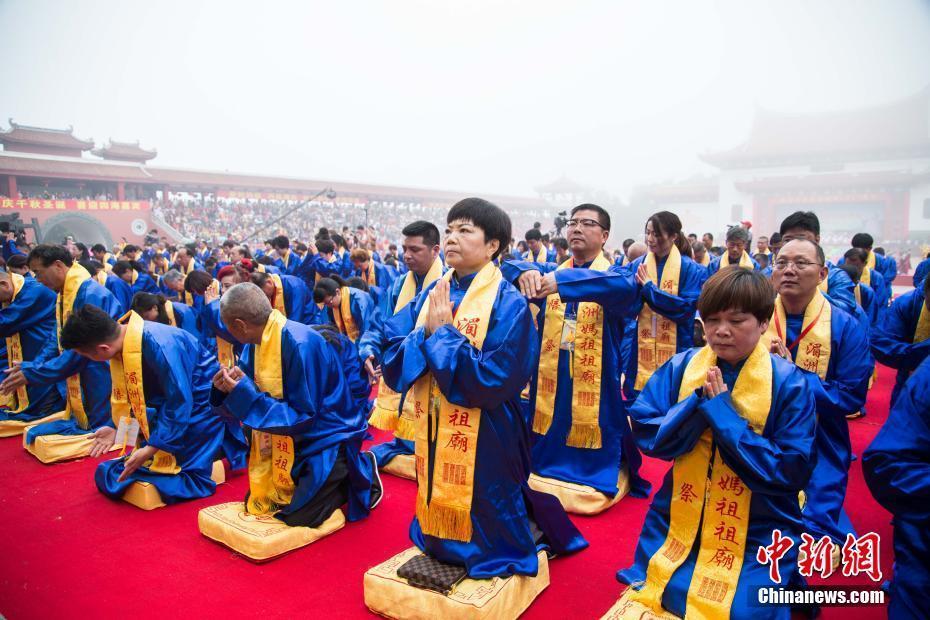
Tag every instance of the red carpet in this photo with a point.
(67, 552)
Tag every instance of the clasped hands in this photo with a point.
(227, 379)
(534, 285)
(15, 379)
(440, 307)
(714, 385)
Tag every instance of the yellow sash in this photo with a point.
(278, 294)
(657, 336)
(187, 298)
(259, 267)
(586, 367)
(451, 430)
(870, 260)
(744, 260)
(540, 256)
(344, 320)
(225, 353)
(101, 277)
(169, 310)
(866, 277)
(286, 258)
(19, 400)
(706, 260)
(135, 276)
(923, 324)
(384, 414)
(271, 457)
(65, 306)
(370, 272)
(127, 399)
(107, 267)
(722, 497)
(814, 348)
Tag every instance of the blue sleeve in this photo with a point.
(615, 289)
(845, 393)
(513, 269)
(174, 370)
(364, 311)
(663, 427)
(841, 289)
(893, 340)
(780, 461)
(679, 308)
(29, 308)
(897, 463)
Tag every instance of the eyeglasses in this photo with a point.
(583, 222)
(782, 264)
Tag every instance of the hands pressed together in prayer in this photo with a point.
(14, 380)
(778, 348)
(227, 379)
(714, 384)
(440, 307)
(642, 274)
(534, 285)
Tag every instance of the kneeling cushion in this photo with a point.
(12, 428)
(388, 595)
(260, 537)
(626, 609)
(402, 466)
(144, 495)
(578, 498)
(55, 448)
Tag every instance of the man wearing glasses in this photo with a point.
(829, 345)
(583, 451)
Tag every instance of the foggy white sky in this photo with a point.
(479, 96)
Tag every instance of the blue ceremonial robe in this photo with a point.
(317, 412)
(144, 284)
(840, 288)
(177, 375)
(297, 299)
(680, 309)
(714, 265)
(121, 290)
(186, 319)
(897, 470)
(293, 262)
(315, 264)
(354, 372)
(50, 366)
(775, 466)
(373, 343)
(920, 273)
(383, 277)
(893, 340)
(32, 316)
(551, 457)
(364, 311)
(888, 267)
(881, 292)
(843, 392)
(491, 379)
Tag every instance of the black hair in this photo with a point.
(804, 220)
(88, 326)
(330, 334)
(424, 229)
(17, 261)
(281, 242)
(47, 254)
(775, 238)
(83, 248)
(879, 250)
(264, 259)
(325, 246)
(197, 282)
(339, 240)
(327, 287)
(627, 243)
(862, 240)
(856, 252)
(854, 273)
(91, 266)
(98, 247)
(533, 234)
(131, 248)
(301, 247)
(258, 278)
(490, 218)
(141, 302)
(560, 242)
(357, 282)
(737, 288)
(666, 223)
(603, 217)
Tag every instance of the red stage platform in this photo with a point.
(68, 552)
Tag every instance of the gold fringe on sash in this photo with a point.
(586, 367)
(450, 482)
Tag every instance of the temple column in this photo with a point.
(11, 190)
(120, 191)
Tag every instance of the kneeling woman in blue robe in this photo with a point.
(27, 322)
(161, 381)
(160, 310)
(738, 424)
(463, 350)
(306, 435)
(897, 470)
